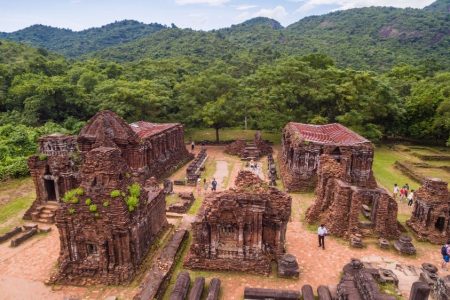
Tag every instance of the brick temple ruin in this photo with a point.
(111, 210)
(303, 144)
(241, 229)
(249, 150)
(430, 216)
(348, 199)
(149, 149)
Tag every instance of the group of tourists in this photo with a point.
(404, 193)
(206, 185)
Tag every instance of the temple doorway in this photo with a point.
(440, 222)
(49, 185)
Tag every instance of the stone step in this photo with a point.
(51, 206)
(45, 220)
(48, 211)
(47, 215)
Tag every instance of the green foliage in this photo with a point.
(132, 200)
(105, 203)
(93, 208)
(71, 210)
(115, 193)
(42, 157)
(71, 195)
(88, 201)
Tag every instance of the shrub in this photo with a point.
(106, 203)
(42, 156)
(135, 190)
(71, 195)
(132, 202)
(88, 201)
(92, 208)
(71, 210)
(115, 193)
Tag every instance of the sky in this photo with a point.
(195, 14)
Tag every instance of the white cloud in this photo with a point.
(277, 12)
(245, 7)
(207, 2)
(309, 5)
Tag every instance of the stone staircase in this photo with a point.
(45, 213)
(251, 152)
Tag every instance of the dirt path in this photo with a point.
(221, 173)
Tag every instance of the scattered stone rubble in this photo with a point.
(149, 150)
(182, 206)
(18, 235)
(404, 245)
(249, 150)
(195, 168)
(181, 287)
(228, 230)
(197, 289)
(288, 266)
(158, 276)
(431, 211)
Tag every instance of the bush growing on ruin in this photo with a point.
(115, 193)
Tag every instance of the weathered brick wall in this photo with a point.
(430, 216)
(338, 204)
(241, 229)
(121, 236)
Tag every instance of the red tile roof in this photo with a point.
(335, 134)
(146, 129)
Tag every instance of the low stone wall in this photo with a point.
(158, 276)
(10, 234)
(408, 171)
(181, 207)
(261, 266)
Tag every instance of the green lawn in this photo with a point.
(385, 172)
(229, 134)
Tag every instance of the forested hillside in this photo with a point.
(375, 38)
(391, 81)
(76, 43)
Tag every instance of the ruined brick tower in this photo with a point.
(430, 216)
(240, 229)
(148, 149)
(108, 223)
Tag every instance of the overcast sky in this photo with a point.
(196, 14)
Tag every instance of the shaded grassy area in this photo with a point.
(172, 199)
(11, 185)
(385, 172)
(228, 134)
(13, 209)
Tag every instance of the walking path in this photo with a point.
(221, 173)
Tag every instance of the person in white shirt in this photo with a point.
(396, 191)
(411, 198)
(322, 232)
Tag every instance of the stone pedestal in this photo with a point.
(288, 266)
(404, 245)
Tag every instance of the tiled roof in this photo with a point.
(146, 129)
(335, 134)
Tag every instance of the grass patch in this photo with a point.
(229, 134)
(15, 206)
(172, 199)
(385, 172)
(13, 184)
(210, 169)
(195, 206)
(390, 289)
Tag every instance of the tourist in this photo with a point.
(214, 185)
(192, 145)
(445, 255)
(199, 185)
(396, 190)
(322, 232)
(205, 185)
(410, 198)
(407, 187)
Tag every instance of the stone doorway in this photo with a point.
(50, 189)
(440, 223)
